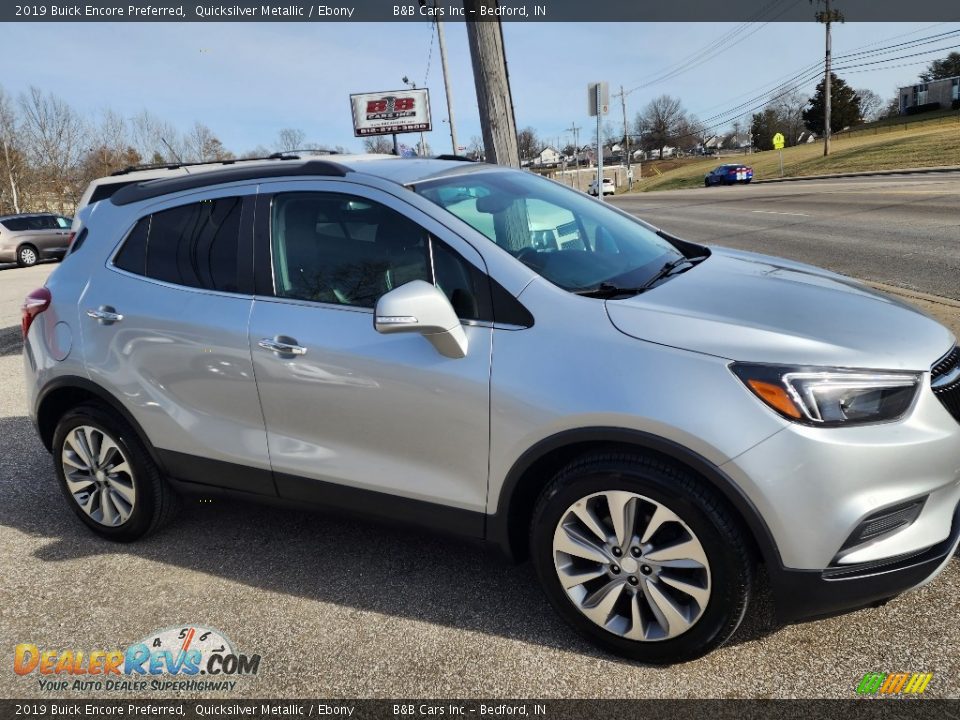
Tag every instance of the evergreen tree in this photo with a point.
(844, 107)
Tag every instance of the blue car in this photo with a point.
(728, 175)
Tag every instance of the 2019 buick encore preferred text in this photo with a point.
(489, 353)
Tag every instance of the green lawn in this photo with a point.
(920, 145)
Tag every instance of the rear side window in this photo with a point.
(15, 224)
(193, 245)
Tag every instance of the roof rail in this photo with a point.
(176, 165)
(460, 158)
(164, 186)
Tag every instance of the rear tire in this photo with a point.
(27, 256)
(671, 584)
(107, 476)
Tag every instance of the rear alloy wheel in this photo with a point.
(27, 256)
(642, 557)
(108, 477)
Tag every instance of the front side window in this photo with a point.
(346, 250)
(569, 239)
(194, 245)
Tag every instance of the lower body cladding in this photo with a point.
(857, 514)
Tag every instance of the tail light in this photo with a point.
(34, 304)
(70, 238)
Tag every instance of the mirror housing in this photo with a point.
(422, 308)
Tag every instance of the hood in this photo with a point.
(749, 307)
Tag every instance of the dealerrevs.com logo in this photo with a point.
(185, 658)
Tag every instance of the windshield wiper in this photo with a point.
(610, 290)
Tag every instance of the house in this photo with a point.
(944, 93)
(806, 137)
(547, 156)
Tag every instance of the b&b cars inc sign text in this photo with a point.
(393, 111)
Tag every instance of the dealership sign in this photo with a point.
(395, 111)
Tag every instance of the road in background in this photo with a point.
(901, 230)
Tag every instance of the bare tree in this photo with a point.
(12, 157)
(528, 144)
(291, 139)
(788, 110)
(54, 140)
(662, 116)
(871, 105)
(378, 144)
(475, 148)
(155, 140)
(203, 146)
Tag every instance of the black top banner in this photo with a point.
(480, 11)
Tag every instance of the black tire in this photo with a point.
(155, 500)
(729, 554)
(27, 256)
(706, 183)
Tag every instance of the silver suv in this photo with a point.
(648, 419)
(31, 237)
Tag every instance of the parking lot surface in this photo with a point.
(344, 608)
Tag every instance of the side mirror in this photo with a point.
(422, 308)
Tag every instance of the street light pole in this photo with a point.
(441, 41)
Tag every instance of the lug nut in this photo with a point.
(633, 580)
(617, 552)
(635, 551)
(615, 569)
(646, 569)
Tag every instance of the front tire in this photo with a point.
(27, 256)
(641, 557)
(107, 476)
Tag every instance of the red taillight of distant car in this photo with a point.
(70, 239)
(34, 304)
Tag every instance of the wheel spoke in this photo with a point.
(572, 542)
(638, 628)
(107, 511)
(124, 491)
(571, 578)
(623, 511)
(78, 484)
(91, 443)
(107, 450)
(121, 468)
(123, 507)
(583, 511)
(659, 517)
(672, 619)
(78, 442)
(72, 458)
(598, 606)
(701, 595)
(686, 554)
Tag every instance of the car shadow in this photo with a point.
(11, 341)
(332, 559)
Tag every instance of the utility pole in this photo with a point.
(576, 149)
(626, 135)
(441, 41)
(493, 84)
(827, 17)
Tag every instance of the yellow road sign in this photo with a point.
(778, 141)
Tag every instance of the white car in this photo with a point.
(608, 187)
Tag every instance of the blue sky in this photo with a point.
(248, 80)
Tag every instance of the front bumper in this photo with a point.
(809, 594)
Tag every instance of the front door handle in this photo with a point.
(105, 315)
(282, 345)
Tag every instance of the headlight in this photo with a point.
(830, 396)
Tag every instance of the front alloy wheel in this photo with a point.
(641, 556)
(631, 566)
(27, 256)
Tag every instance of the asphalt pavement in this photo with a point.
(343, 608)
(902, 230)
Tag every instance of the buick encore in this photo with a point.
(488, 353)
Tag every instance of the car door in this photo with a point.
(381, 423)
(164, 328)
(52, 235)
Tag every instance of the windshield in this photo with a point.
(569, 239)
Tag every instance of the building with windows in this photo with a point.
(945, 93)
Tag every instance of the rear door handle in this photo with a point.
(282, 345)
(105, 315)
